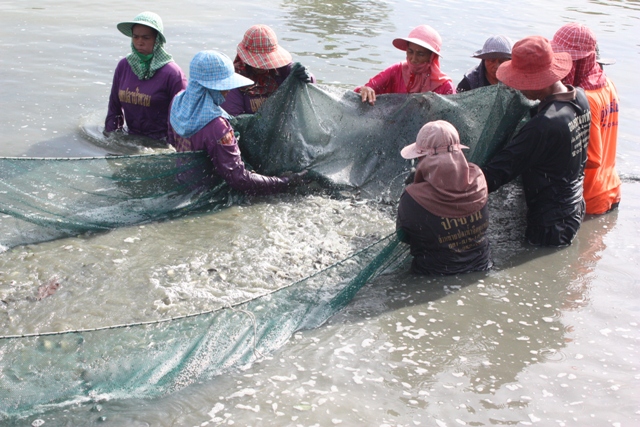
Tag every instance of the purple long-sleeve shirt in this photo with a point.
(218, 139)
(143, 104)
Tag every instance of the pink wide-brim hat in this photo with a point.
(534, 65)
(422, 35)
(435, 137)
(575, 39)
(259, 48)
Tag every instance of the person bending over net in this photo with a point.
(197, 122)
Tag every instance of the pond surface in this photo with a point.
(548, 337)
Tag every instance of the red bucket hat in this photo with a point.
(534, 65)
(422, 35)
(575, 39)
(259, 48)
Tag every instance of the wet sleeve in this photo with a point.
(225, 155)
(115, 116)
(518, 155)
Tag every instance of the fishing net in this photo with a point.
(48, 198)
(347, 142)
(343, 143)
(40, 372)
(330, 132)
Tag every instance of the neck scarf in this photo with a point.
(265, 83)
(194, 108)
(424, 77)
(447, 186)
(145, 66)
(586, 73)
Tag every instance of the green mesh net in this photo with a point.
(347, 142)
(42, 371)
(344, 144)
(48, 198)
(330, 132)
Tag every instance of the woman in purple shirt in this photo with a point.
(144, 82)
(197, 122)
(261, 59)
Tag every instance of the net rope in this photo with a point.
(344, 144)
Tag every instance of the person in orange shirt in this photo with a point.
(601, 181)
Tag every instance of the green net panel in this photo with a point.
(347, 142)
(146, 360)
(344, 143)
(48, 198)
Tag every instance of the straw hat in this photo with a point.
(435, 137)
(534, 65)
(149, 19)
(259, 48)
(422, 35)
(495, 47)
(215, 70)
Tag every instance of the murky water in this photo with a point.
(549, 337)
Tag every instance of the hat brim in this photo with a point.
(605, 61)
(401, 43)
(411, 151)
(265, 61)
(126, 28)
(520, 80)
(233, 81)
(491, 55)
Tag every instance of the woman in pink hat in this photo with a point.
(261, 59)
(419, 73)
(443, 215)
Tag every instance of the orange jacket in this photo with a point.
(601, 181)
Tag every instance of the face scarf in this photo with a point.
(145, 66)
(447, 186)
(423, 77)
(265, 83)
(194, 108)
(586, 73)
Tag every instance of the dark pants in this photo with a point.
(559, 234)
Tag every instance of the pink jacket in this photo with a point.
(391, 81)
